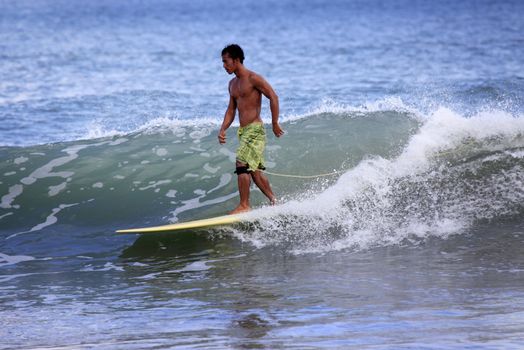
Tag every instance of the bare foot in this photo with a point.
(240, 209)
(273, 201)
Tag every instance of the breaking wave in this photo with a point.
(400, 176)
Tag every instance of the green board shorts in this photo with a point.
(252, 139)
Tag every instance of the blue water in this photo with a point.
(109, 115)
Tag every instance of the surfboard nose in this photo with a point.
(216, 221)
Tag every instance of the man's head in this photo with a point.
(232, 55)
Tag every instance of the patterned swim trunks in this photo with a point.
(252, 139)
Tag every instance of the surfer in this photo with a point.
(245, 94)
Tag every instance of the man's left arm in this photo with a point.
(263, 86)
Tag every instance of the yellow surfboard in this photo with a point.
(216, 221)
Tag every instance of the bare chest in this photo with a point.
(242, 89)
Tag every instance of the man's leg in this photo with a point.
(263, 183)
(244, 181)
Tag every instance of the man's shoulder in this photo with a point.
(255, 78)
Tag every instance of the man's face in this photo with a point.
(229, 63)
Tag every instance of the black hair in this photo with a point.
(234, 52)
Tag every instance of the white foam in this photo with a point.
(118, 141)
(13, 259)
(171, 193)
(109, 266)
(5, 215)
(196, 266)
(54, 190)
(191, 175)
(195, 203)
(200, 133)
(96, 131)
(361, 206)
(154, 184)
(20, 160)
(326, 105)
(161, 152)
(225, 179)
(211, 169)
(229, 154)
(50, 220)
(201, 127)
(14, 191)
(515, 154)
(47, 169)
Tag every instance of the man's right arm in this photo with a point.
(228, 119)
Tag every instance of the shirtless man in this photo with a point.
(245, 94)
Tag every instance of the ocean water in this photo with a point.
(109, 115)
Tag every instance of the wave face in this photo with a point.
(401, 175)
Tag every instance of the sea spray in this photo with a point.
(454, 172)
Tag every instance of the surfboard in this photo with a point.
(216, 221)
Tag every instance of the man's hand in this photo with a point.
(277, 130)
(222, 137)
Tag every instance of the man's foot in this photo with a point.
(273, 201)
(240, 209)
